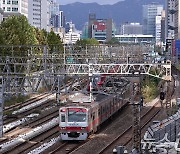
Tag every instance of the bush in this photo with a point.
(15, 99)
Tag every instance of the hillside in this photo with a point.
(123, 11)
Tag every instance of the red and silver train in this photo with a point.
(82, 117)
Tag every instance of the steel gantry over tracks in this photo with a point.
(24, 68)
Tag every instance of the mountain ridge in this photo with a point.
(120, 12)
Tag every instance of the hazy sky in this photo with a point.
(62, 2)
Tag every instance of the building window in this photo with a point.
(3, 8)
(9, 2)
(3, 1)
(8, 9)
(15, 9)
(15, 2)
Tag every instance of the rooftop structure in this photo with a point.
(135, 38)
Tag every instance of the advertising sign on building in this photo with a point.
(99, 25)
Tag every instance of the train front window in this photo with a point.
(62, 118)
(76, 115)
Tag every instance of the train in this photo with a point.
(82, 116)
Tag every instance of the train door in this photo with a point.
(90, 121)
(93, 121)
(110, 108)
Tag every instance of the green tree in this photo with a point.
(15, 30)
(88, 41)
(113, 41)
(54, 42)
(41, 36)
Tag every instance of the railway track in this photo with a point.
(35, 109)
(66, 147)
(37, 139)
(35, 122)
(25, 103)
(126, 137)
(34, 142)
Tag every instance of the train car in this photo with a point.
(82, 117)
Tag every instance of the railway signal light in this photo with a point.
(162, 95)
(141, 101)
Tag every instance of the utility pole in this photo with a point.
(137, 103)
(1, 104)
(137, 120)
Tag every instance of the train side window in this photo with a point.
(93, 115)
(62, 118)
(99, 112)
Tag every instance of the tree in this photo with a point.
(15, 30)
(88, 41)
(54, 42)
(41, 36)
(113, 41)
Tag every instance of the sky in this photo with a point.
(63, 2)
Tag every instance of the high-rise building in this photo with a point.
(101, 29)
(85, 31)
(131, 28)
(150, 12)
(177, 20)
(14, 7)
(57, 19)
(54, 7)
(39, 14)
(170, 19)
(163, 27)
(1, 15)
(158, 29)
(92, 18)
(71, 37)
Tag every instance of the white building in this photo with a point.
(15, 6)
(150, 12)
(131, 28)
(158, 30)
(135, 38)
(1, 15)
(71, 37)
(38, 13)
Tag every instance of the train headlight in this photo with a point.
(63, 127)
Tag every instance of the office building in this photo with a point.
(158, 29)
(131, 28)
(150, 12)
(1, 15)
(135, 38)
(13, 7)
(71, 37)
(39, 13)
(170, 19)
(163, 27)
(101, 29)
(177, 20)
(57, 18)
(85, 31)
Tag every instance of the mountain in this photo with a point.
(123, 11)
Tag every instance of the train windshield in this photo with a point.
(76, 115)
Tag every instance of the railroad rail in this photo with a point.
(125, 138)
(27, 102)
(67, 147)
